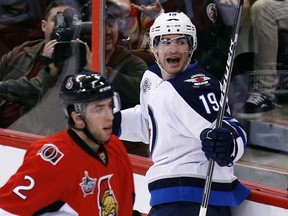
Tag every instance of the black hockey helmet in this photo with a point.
(82, 88)
(85, 87)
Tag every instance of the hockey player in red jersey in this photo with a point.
(83, 170)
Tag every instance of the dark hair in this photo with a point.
(58, 3)
(70, 121)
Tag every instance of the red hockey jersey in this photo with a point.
(62, 174)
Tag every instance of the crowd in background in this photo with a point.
(128, 54)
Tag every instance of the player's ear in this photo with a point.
(78, 120)
(43, 25)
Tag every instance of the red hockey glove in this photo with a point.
(218, 145)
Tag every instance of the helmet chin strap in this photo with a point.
(158, 62)
(88, 134)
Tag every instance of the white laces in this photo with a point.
(256, 98)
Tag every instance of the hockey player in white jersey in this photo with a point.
(178, 109)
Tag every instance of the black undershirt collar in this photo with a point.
(88, 150)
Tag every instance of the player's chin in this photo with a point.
(107, 134)
(105, 138)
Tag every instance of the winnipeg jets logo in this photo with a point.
(198, 80)
(87, 184)
(145, 85)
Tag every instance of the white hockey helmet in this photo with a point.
(172, 23)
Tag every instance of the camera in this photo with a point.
(67, 28)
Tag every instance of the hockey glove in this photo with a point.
(218, 145)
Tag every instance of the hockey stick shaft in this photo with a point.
(222, 107)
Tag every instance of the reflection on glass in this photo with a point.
(33, 71)
(262, 53)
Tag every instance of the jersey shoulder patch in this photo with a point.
(50, 152)
(198, 79)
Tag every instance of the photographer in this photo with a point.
(69, 31)
(28, 71)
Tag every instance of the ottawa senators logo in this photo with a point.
(106, 198)
(50, 153)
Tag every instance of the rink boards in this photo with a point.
(263, 200)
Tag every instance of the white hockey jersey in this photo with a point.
(171, 116)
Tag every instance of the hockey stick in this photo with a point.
(223, 100)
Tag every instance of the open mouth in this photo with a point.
(173, 60)
(108, 39)
(108, 128)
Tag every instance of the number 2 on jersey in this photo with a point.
(17, 190)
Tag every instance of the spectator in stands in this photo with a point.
(47, 118)
(268, 17)
(138, 22)
(142, 14)
(20, 21)
(123, 69)
(135, 35)
(28, 71)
